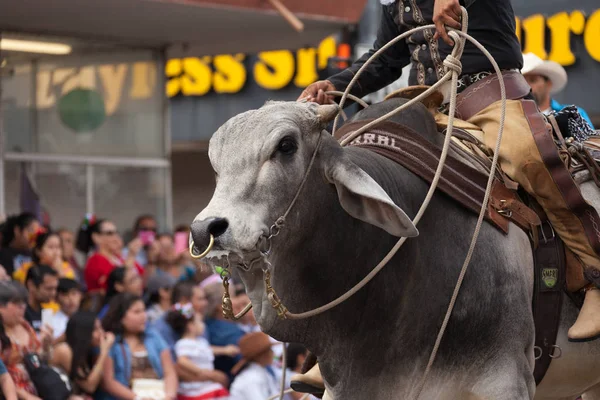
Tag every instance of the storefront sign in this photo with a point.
(272, 70)
(275, 70)
(561, 28)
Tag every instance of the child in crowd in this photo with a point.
(69, 297)
(194, 348)
(254, 376)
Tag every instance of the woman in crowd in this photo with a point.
(121, 280)
(84, 353)
(23, 339)
(138, 353)
(16, 233)
(193, 351)
(103, 237)
(67, 240)
(48, 251)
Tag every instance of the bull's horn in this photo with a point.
(327, 113)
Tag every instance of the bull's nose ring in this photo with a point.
(205, 252)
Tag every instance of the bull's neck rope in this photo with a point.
(453, 70)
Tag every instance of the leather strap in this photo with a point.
(549, 284)
(487, 91)
(460, 181)
(569, 190)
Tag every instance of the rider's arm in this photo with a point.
(381, 71)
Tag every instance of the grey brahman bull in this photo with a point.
(347, 217)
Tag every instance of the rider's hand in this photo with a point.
(315, 92)
(446, 13)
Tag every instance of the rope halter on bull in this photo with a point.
(453, 71)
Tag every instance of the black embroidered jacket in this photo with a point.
(491, 22)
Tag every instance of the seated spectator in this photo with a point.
(121, 280)
(254, 380)
(187, 293)
(84, 353)
(138, 353)
(145, 226)
(103, 237)
(69, 299)
(7, 386)
(41, 283)
(3, 275)
(47, 251)
(22, 337)
(172, 262)
(16, 245)
(159, 290)
(67, 240)
(194, 352)
(296, 355)
(183, 293)
(221, 332)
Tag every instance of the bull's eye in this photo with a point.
(287, 146)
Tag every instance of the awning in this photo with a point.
(183, 27)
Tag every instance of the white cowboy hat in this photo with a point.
(532, 64)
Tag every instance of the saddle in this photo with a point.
(465, 176)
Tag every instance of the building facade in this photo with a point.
(85, 91)
(568, 33)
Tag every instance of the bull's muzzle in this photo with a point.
(205, 231)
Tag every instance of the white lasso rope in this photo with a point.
(454, 70)
(453, 65)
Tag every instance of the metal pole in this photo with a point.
(2, 150)
(89, 188)
(161, 79)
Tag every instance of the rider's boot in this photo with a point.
(310, 382)
(587, 326)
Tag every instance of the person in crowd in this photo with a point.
(47, 251)
(139, 352)
(7, 385)
(67, 240)
(41, 283)
(4, 277)
(144, 229)
(240, 299)
(193, 351)
(69, 296)
(121, 280)
(296, 355)
(102, 235)
(16, 245)
(183, 293)
(23, 339)
(83, 355)
(546, 79)
(171, 262)
(254, 379)
(221, 332)
(159, 290)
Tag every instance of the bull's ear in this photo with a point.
(365, 200)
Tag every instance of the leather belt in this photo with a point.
(487, 91)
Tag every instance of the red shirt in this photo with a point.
(97, 269)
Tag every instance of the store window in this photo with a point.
(89, 128)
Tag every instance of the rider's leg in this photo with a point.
(309, 382)
(521, 161)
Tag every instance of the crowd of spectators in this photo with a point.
(132, 316)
